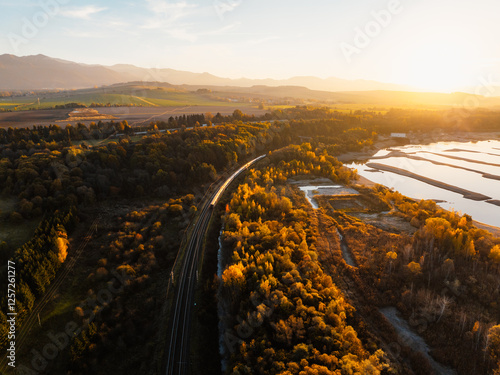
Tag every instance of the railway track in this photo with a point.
(178, 362)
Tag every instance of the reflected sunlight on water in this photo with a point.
(482, 157)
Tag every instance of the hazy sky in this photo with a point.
(433, 44)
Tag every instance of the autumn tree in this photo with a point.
(493, 346)
(495, 256)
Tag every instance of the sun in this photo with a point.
(435, 64)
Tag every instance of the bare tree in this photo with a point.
(407, 253)
(443, 302)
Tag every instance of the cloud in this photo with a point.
(175, 19)
(222, 30)
(168, 17)
(83, 13)
(264, 40)
(168, 11)
(83, 34)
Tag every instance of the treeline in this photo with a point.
(55, 136)
(92, 105)
(37, 263)
(401, 120)
(382, 122)
(281, 314)
(451, 120)
(323, 124)
(28, 138)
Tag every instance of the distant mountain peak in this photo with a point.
(36, 72)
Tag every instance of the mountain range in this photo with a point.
(38, 72)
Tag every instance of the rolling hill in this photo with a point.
(157, 94)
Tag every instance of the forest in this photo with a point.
(282, 312)
(444, 278)
(288, 302)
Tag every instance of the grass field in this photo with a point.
(15, 235)
(90, 98)
(276, 107)
(16, 105)
(7, 205)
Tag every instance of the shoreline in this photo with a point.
(490, 228)
(416, 139)
(364, 181)
(464, 137)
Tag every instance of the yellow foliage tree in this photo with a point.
(391, 255)
(493, 345)
(62, 248)
(233, 274)
(495, 255)
(414, 268)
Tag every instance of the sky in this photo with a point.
(438, 45)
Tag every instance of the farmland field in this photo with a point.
(134, 115)
(132, 96)
(135, 103)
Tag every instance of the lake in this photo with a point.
(473, 166)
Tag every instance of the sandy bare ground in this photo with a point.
(490, 228)
(25, 119)
(364, 181)
(466, 159)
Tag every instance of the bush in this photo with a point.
(16, 218)
(175, 209)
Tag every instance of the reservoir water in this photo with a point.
(474, 166)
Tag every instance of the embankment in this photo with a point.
(466, 193)
(400, 154)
